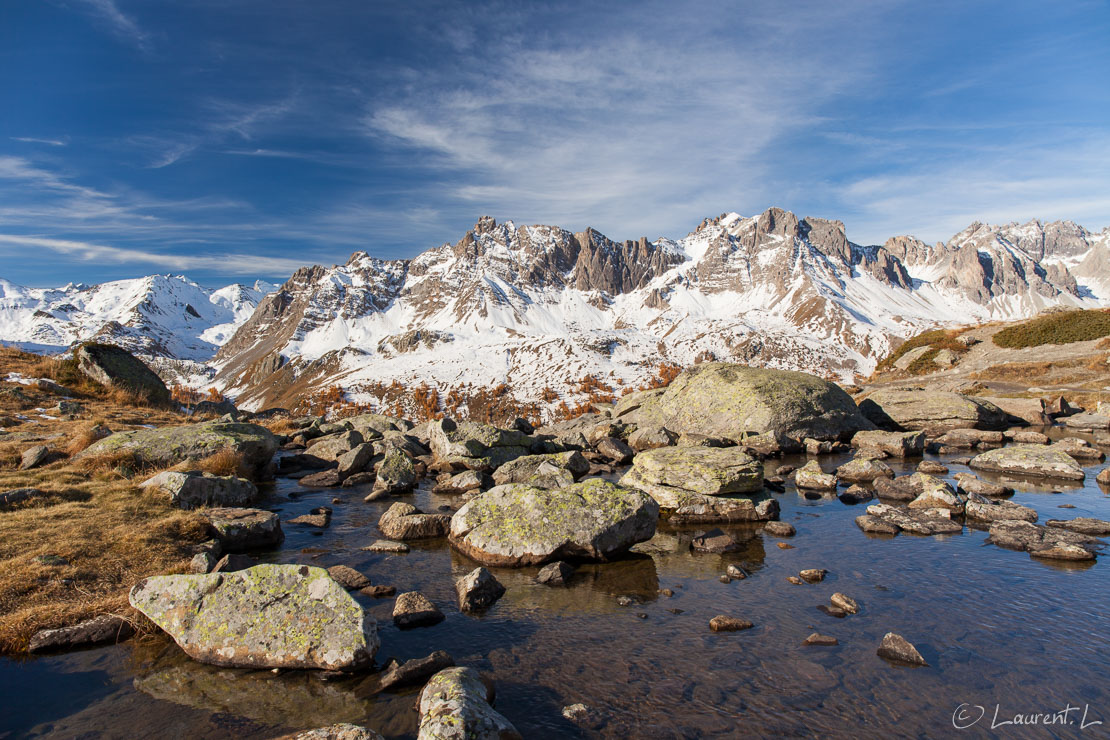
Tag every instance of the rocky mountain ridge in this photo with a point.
(539, 307)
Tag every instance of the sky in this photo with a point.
(238, 139)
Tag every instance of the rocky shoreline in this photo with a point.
(592, 489)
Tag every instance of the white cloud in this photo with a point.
(121, 24)
(33, 140)
(229, 264)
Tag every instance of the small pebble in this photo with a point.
(721, 623)
(833, 611)
(666, 592)
(675, 611)
(641, 615)
(785, 546)
(1066, 506)
(725, 579)
(795, 580)
(734, 571)
(822, 640)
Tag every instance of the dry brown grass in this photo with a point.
(223, 462)
(284, 425)
(82, 437)
(111, 533)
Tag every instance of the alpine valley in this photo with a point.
(535, 309)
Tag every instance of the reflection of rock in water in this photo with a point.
(295, 699)
(593, 587)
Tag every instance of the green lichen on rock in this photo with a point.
(170, 445)
(711, 471)
(268, 616)
(454, 705)
(726, 400)
(518, 525)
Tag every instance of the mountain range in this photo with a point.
(538, 307)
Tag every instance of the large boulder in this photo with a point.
(1032, 460)
(268, 616)
(455, 704)
(543, 471)
(934, 412)
(476, 446)
(117, 368)
(168, 446)
(193, 489)
(519, 525)
(700, 484)
(726, 400)
(396, 473)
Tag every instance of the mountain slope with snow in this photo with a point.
(165, 316)
(539, 307)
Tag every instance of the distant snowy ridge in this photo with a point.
(165, 316)
(538, 306)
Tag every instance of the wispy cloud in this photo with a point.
(123, 25)
(33, 140)
(230, 264)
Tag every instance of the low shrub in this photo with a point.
(1056, 328)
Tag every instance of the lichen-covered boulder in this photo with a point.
(727, 400)
(471, 439)
(193, 489)
(1033, 460)
(519, 525)
(396, 473)
(268, 616)
(701, 484)
(117, 368)
(543, 471)
(931, 411)
(985, 510)
(455, 705)
(168, 446)
(711, 471)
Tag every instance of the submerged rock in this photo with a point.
(1032, 460)
(517, 525)
(727, 400)
(455, 705)
(722, 623)
(415, 671)
(341, 731)
(269, 616)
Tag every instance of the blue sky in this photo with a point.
(229, 139)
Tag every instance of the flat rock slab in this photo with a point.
(915, 521)
(269, 616)
(517, 525)
(985, 510)
(387, 546)
(348, 577)
(1032, 460)
(106, 628)
(1050, 543)
(1082, 525)
(931, 411)
(244, 529)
